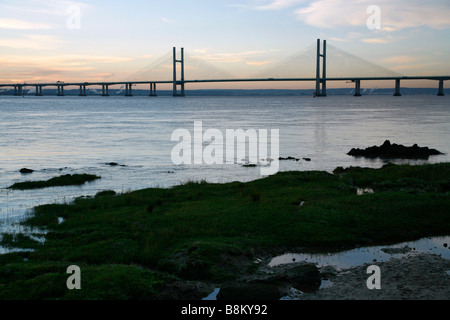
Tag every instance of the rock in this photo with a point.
(249, 291)
(303, 277)
(388, 150)
(307, 159)
(25, 171)
(106, 193)
(288, 158)
(112, 164)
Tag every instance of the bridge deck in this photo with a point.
(222, 80)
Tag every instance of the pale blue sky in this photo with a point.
(118, 38)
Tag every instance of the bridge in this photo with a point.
(290, 69)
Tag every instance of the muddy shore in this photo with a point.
(415, 277)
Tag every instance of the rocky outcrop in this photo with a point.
(388, 150)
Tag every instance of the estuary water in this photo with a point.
(68, 135)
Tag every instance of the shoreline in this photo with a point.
(178, 242)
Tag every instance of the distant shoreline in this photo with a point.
(238, 92)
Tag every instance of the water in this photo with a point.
(67, 135)
(359, 256)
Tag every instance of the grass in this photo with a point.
(212, 232)
(65, 180)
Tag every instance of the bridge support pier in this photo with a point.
(357, 88)
(18, 90)
(105, 90)
(83, 91)
(321, 81)
(153, 90)
(175, 82)
(128, 90)
(39, 91)
(441, 88)
(60, 91)
(397, 88)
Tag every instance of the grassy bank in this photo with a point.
(136, 245)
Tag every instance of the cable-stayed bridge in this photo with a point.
(318, 63)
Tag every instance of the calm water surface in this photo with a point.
(67, 135)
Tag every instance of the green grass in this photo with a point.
(212, 232)
(65, 180)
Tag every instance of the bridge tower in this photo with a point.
(177, 83)
(321, 92)
(441, 88)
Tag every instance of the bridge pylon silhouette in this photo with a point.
(321, 82)
(181, 82)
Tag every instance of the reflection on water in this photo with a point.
(360, 256)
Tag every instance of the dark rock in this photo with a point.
(303, 277)
(396, 151)
(288, 158)
(25, 170)
(307, 159)
(106, 193)
(112, 164)
(249, 291)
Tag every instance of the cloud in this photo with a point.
(44, 7)
(258, 63)
(401, 59)
(62, 61)
(377, 40)
(167, 20)
(146, 56)
(16, 24)
(35, 42)
(279, 4)
(52, 68)
(395, 15)
(338, 39)
(204, 50)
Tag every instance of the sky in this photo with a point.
(99, 40)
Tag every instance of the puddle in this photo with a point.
(212, 295)
(356, 257)
(4, 250)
